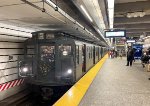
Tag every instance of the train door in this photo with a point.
(66, 62)
(84, 58)
(98, 52)
(101, 52)
(93, 54)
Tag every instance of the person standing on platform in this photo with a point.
(116, 53)
(109, 54)
(130, 56)
(120, 53)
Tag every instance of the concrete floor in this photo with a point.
(119, 85)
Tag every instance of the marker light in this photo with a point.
(65, 53)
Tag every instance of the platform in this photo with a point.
(119, 85)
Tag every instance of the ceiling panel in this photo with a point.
(9, 2)
(136, 25)
(27, 16)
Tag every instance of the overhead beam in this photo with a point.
(133, 34)
(138, 31)
(103, 7)
(133, 26)
(124, 20)
(132, 6)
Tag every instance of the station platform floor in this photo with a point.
(119, 85)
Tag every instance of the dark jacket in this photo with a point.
(145, 59)
(130, 55)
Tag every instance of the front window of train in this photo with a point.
(46, 63)
(65, 50)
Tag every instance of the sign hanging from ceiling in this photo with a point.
(115, 33)
(130, 41)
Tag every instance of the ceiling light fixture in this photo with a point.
(111, 12)
(86, 13)
(135, 14)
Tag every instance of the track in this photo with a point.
(26, 98)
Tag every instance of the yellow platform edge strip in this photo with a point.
(75, 94)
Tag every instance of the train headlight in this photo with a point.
(69, 71)
(25, 69)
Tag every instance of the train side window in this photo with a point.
(77, 54)
(96, 51)
(65, 50)
(91, 52)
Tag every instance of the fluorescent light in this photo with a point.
(111, 12)
(99, 31)
(51, 3)
(111, 26)
(101, 34)
(111, 4)
(86, 13)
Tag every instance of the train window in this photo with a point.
(77, 54)
(96, 51)
(89, 55)
(47, 53)
(41, 36)
(91, 52)
(65, 50)
(50, 36)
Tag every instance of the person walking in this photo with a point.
(130, 56)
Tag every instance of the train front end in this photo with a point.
(47, 62)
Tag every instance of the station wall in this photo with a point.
(11, 47)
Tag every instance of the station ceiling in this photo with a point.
(135, 26)
(65, 16)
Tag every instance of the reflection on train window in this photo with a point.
(47, 53)
(65, 50)
(50, 36)
(41, 36)
(77, 54)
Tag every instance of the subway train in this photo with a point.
(55, 59)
